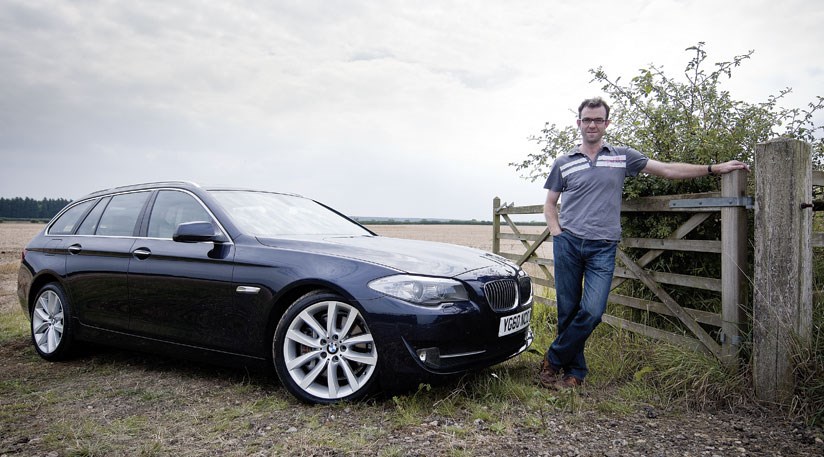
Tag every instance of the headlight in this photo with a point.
(421, 290)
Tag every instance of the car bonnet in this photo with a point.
(410, 256)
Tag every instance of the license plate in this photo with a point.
(515, 322)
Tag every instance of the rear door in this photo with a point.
(98, 260)
(50, 253)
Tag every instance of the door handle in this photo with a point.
(142, 253)
(75, 249)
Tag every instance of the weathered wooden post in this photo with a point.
(496, 226)
(734, 237)
(782, 297)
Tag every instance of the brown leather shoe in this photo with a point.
(569, 382)
(548, 375)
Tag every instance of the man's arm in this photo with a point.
(677, 170)
(551, 212)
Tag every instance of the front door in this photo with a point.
(182, 292)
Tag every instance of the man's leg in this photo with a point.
(569, 271)
(600, 265)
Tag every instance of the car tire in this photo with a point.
(52, 327)
(323, 351)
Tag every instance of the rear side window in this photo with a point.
(172, 208)
(121, 214)
(89, 225)
(67, 222)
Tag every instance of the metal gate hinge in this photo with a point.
(735, 340)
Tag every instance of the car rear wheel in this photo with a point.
(51, 324)
(323, 350)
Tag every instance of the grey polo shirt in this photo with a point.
(591, 192)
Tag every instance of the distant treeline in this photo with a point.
(29, 208)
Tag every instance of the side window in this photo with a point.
(67, 222)
(172, 208)
(121, 214)
(89, 225)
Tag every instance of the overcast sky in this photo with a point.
(377, 108)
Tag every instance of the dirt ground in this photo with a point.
(111, 402)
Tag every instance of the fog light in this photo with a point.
(430, 356)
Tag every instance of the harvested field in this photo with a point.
(475, 236)
(13, 237)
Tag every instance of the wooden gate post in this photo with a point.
(734, 236)
(782, 296)
(496, 226)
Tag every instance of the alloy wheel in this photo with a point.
(329, 351)
(47, 322)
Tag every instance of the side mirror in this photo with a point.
(196, 232)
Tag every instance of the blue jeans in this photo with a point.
(583, 276)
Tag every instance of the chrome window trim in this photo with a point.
(95, 197)
(150, 190)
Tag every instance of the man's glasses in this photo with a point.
(597, 120)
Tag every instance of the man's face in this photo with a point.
(593, 123)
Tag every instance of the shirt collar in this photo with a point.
(606, 146)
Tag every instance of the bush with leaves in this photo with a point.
(693, 121)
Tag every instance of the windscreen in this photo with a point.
(268, 214)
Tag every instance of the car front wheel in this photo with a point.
(323, 350)
(51, 324)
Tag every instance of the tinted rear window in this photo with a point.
(89, 226)
(67, 222)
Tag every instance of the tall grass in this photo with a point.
(641, 370)
(808, 401)
(644, 371)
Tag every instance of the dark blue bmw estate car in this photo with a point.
(268, 278)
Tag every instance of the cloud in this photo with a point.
(383, 108)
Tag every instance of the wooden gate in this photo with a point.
(715, 332)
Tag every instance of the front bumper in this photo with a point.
(439, 341)
(446, 360)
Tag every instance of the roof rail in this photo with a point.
(144, 185)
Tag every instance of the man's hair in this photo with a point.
(593, 103)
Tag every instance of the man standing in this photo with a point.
(585, 235)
